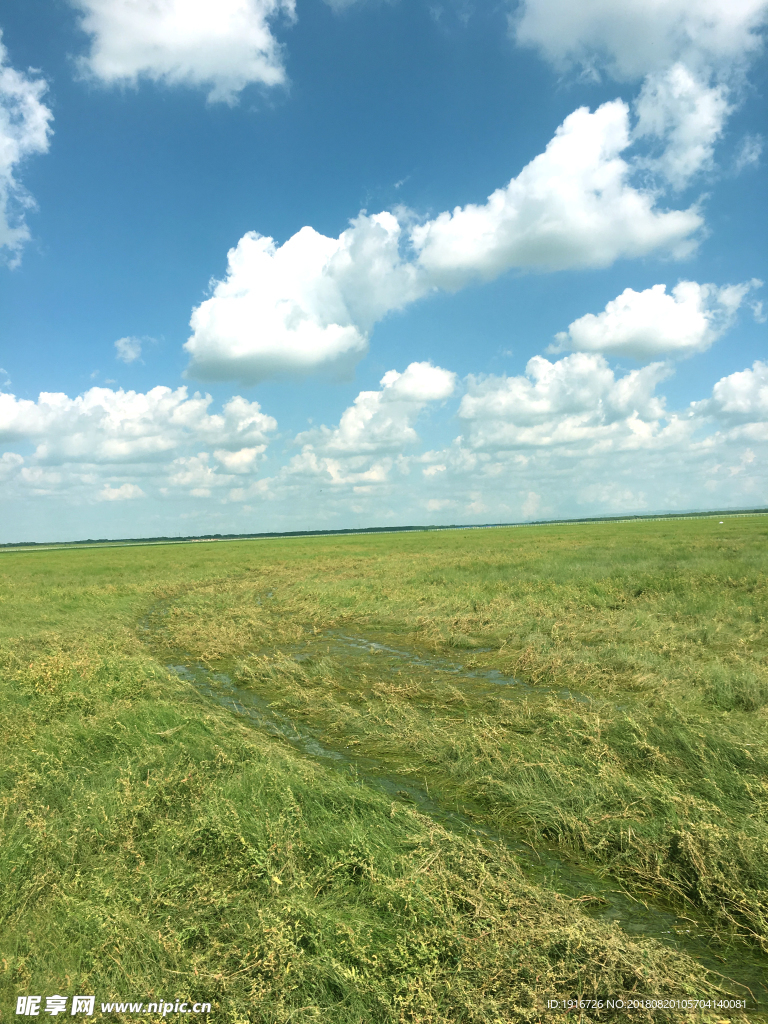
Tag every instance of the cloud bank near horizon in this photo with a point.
(84, 448)
(567, 435)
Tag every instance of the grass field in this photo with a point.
(460, 761)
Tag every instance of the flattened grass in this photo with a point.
(673, 804)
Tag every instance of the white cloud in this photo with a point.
(10, 464)
(82, 445)
(571, 207)
(243, 461)
(418, 384)
(194, 474)
(365, 454)
(438, 504)
(354, 471)
(311, 303)
(740, 398)
(125, 492)
(111, 426)
(636, 37)
(128, 349)
(687, 116)
(383, 421)
(302, 306)
(570, 437)
(531, 505)
(692, 55)
(575, 402)
(476, 506)
(749, 153)
(24, 130)
(653, 323)
(223, 45)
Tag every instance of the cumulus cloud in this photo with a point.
(693, 58)
(686, 117)
(531, 505)
(25, 128)
(653, 323)
(571, 207)
(85, 444)
(740, 398)
(244, 460)
(125, 492)
(311, 303)
(636, 37)
(194, 475)
(575, 401)
(383, 421)
(368, 447)
(106, 426)
(439, 504)
(568, 437)
(223, 45)
(128, 349)
(301, 306)
(10, 464)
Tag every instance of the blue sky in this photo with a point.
(252, 278)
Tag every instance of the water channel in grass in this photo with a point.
(736, 968)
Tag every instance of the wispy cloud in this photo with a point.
(128, 350)
(25, 129)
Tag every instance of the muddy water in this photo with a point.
(735, 968)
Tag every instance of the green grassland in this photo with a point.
(449, 850)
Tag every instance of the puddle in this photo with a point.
(737, 969)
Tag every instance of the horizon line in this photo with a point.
(33, 545)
